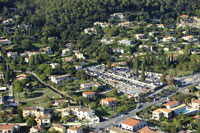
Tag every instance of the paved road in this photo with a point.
(117, 120)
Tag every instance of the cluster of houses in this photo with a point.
(43, 118)
(174, 108)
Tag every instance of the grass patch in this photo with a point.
(36, 98)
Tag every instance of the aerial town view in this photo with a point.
(99, 66)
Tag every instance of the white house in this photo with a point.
(79, 55)
(8, 21)
(160, 25)
(168, 39)
(119, 50)
(172, 104)
(125, 42)
(90, 31)
(84, 113)
(57, 79)
(12, 54)
(65, 50)
(87, 86)
(133, 124)
(102, 24)
(54, 65)
(140, 36)
(126, 24)
(158, 113)
(107, 41)
(78, 68)
(196, 104)
(47, 50)
(5, 42)
(88, 94)
(65, 112)
(188, 38)
(3, 88)
(117, 17)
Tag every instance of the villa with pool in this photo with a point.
(176, 108)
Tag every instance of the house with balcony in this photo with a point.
(84, 113)
(158, 113)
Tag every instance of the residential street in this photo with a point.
(117, 120)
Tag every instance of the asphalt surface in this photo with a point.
(194, 79)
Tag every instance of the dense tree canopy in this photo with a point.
(67, 18)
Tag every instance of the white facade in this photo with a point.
(84, 113)
(125, 42)
(5, 42)
(12, 54)
(107, 41)
(54, 65)
(119, 50)
(58, 79)
(87, 86)
(133, 126)
(196, 104)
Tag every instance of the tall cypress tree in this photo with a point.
(143, 72)
(136, 67)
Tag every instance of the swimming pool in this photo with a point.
(185, 111)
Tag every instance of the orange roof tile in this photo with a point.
(109, 99)
(6, 127)
(171, 103)
(145, 130)
(196, 101)
(131, 122)
(184, 16)
(158, 111)
(88, 93)
(166, 110)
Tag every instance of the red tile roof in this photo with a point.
(172, 103)
(6, 127)
(110, 99)
(145, 130)
(88, 93)
(131, 122)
